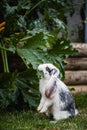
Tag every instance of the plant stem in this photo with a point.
(3, 48)
(4, 58)
(28, 12)
(6, 61)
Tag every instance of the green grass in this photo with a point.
(29, 120)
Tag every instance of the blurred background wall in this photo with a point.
(76, 22)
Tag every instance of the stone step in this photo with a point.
(78, 89)
(76, 77)
(82, 49)
(76, 63)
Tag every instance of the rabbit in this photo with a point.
(56, 99)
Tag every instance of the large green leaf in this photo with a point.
(34, 51)
(62, 48)
(12, 86)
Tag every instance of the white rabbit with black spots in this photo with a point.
(56, 99)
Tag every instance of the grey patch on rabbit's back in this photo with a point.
(67, 99)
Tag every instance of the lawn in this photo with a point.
(29, 120)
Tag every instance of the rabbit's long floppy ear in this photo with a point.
(51, 89)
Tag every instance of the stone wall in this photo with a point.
(75, 22)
